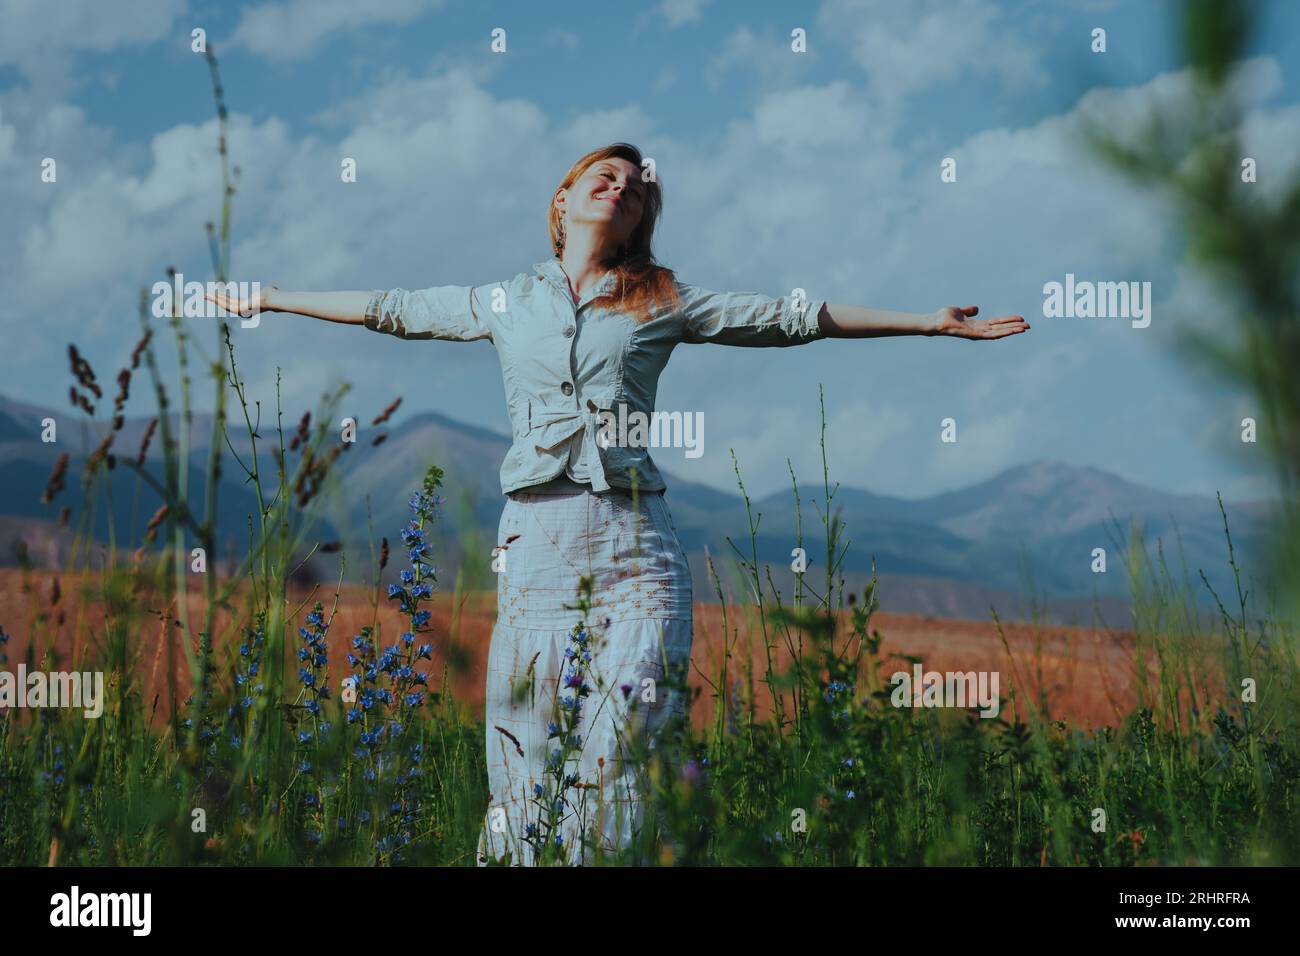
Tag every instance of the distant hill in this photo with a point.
(1021, 541)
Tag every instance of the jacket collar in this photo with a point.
(552, 270)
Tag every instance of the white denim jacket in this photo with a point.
(564, 363)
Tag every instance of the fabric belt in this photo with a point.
(559, 425)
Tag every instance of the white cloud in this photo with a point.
(41, 38)
(679, 12)
(909, 48)
(988, 440)
(665, 78)
(809, 117)
(1273, 135)
(767, 60)
(1055, 360)
(629, 124)
(565, 38)
(293, 29)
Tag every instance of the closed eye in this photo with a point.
(638, 193)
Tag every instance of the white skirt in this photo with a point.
(638, 637)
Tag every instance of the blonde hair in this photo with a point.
(641, 280)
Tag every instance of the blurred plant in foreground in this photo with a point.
(1243, 234)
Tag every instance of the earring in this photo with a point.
(559, 240)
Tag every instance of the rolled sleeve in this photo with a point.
(748, 318)
(456, 313)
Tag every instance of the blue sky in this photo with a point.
(818, 170)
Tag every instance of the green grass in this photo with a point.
(827, 779)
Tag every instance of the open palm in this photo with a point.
(243, 305)
(961, 323)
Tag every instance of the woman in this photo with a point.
(577, 336)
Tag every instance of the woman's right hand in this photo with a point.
(244, 306)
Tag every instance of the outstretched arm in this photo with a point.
(346, 307)
(458, 313)
(852, 322)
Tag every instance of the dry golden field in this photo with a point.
(1089, 674)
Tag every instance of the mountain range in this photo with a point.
(1021, 542)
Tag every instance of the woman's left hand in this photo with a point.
(960, 323)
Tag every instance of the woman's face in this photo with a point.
(609, 196)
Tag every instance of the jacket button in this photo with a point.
(567, 388)
(568, 331)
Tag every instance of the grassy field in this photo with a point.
(242, 749)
